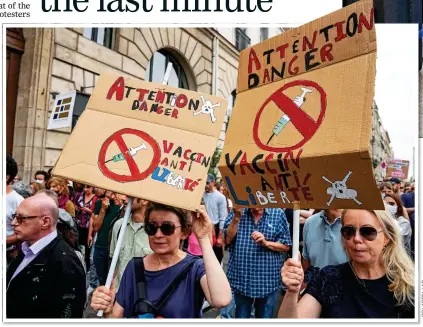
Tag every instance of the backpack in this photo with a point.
(143, 308)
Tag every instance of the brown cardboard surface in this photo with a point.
(397, 168)
(320, 43)
(171, 167)
(315, 151)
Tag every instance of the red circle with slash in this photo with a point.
(135, 175)
(301, 121)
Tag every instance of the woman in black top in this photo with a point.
(377, 282)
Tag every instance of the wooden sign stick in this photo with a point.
(126, 219)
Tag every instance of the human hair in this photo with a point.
(61, 182)
(183, 219)
(49, 193)
(399, 203)
(42, 172)
(388, 185)
(37, 187)
(11, 168)
(22, 189)
(397, 263)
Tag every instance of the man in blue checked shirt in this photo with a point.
(258, 240)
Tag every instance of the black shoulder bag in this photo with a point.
(144, 308)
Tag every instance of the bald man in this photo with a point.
(47, 279)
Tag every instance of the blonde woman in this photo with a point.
(377, 282)
(59, 185)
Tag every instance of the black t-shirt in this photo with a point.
(341, 295)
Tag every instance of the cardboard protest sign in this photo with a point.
(397, 168)
(300, 129)
(145, 140)
(61, 114)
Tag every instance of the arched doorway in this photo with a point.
(15, 44)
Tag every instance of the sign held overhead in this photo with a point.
(145, 140)
(301, 126)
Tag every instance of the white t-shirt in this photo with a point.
(13, 200)
(230, 204)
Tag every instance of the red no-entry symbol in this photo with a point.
(304, 124)
(135, 174)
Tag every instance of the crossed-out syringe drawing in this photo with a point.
(207, 108)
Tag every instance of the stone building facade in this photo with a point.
(380, 144)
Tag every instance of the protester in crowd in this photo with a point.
(13, 200)
(322, 241)
(36, 187)
(216, 205)
(388, 189)
(194, 247)
(396, 185)
(396, 208)
(84, 204)
(47, 279)
(66, 226)
(409, 204)
(224, 190)
(258, 240)
(377, 282)
(93, 281)
(16, 179)
(59, 186)
(166, 227)
(41, 177)
(22, 189)
(105, 212)
(135, 242)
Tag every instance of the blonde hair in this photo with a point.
(396, 261)
(61, 182)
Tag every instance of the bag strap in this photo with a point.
(142, 304)
(175, 283)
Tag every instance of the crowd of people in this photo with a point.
(61, 236)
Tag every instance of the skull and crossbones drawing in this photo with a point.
(339, 190)
(207, 108)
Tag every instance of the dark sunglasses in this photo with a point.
(369, 233)
(21, 219)
(167, 228)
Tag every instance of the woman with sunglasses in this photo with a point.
(166, 227)
(377, 282)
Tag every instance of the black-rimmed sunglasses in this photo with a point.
(368, 232)
(21, 219)
(167, 228)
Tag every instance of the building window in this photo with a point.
(242, 41)
(264, 33)
(157, 69)
(103, 36)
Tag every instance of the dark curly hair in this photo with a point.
(11, 168)
(182, 214)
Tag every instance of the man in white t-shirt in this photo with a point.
(13, 200)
